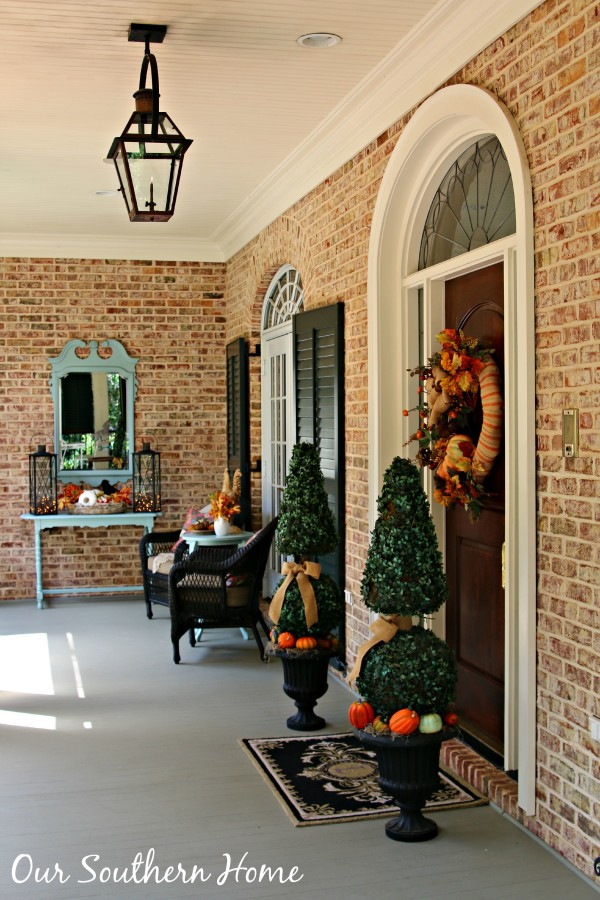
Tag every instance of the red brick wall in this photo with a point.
(545, 69)
(171, 316)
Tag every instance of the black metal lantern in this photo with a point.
(43, 496)
(148, 155)
(146, 480)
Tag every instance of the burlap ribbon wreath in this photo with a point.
(302, 572)
(384, 628)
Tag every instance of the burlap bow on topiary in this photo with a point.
(384, 628)
(302, 573)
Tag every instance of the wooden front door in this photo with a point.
(475, 608)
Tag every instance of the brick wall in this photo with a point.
(545, 70)
(171, 316)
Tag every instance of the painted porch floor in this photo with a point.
(144, 758)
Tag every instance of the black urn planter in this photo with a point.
(304, 681)
(408, 770)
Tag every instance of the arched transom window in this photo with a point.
(284, 298)
(474, 205)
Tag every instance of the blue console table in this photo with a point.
(67, 520)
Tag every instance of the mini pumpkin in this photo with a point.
(430, 723)
(380, 726)
(306, 643)
(450, 718)
(286, 640)
(361, 713)
(404, 721)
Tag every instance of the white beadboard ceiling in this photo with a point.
(269, 119)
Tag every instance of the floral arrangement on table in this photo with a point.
(223, 506)
(72, 495)
(449, 443)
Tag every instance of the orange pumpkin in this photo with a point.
(405, 721)
(306, 643)
(286, 640)
(361, 713)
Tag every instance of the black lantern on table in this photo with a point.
(43, 495)
(148, 155)
(146, 479)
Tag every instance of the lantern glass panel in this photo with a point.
(146, 481)
(42, 483)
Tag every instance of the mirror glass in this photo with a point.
(93, 421)
(93, 409)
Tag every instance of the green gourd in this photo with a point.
(430, 723)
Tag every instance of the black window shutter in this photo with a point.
(319, 380)
(238, 417)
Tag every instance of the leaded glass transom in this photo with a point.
(474, 205)
(284, 298)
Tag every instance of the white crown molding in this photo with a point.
(452, 35)
(104, 246)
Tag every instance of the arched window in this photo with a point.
(474, 205)
(284, 298)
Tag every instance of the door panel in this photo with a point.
(475, 608)
(278, 435)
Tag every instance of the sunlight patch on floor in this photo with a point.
(25, 664)
(27, 720)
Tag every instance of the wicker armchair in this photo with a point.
(217, 588)
(156, 584)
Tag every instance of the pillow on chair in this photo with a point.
(161, 563)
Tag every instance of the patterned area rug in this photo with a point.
(333, 778)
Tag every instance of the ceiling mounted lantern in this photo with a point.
(148, 156)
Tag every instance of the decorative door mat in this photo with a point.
(333, 778)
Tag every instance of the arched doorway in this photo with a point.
(406, 303)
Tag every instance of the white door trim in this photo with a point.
(447, 123)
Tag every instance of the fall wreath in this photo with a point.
(460, 454)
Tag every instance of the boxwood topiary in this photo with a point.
(306, 530)
(416, 669)
(403, 574)
(306, 527)
(403, 577)
(327, 595)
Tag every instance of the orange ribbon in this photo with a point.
(302, 572)
(383, 630)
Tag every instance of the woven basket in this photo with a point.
(98, 509)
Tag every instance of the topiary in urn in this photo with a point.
(409, 667)
(306, 530)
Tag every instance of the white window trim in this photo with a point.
(447, 123)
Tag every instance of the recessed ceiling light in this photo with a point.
(319, 40)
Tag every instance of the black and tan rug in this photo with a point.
(333, 778)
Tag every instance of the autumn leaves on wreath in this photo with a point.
(461, 419)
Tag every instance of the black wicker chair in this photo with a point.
(217, 588)
(156, 584)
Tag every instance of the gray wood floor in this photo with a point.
(148, 760)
